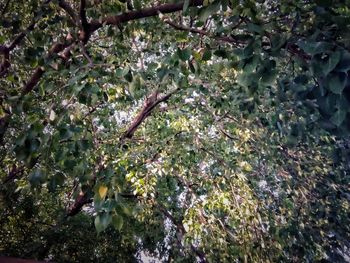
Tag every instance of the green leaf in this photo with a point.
(331, 63)
(98, 202)
(338, 117)
(254, 28)
(247, 79)
(277, 42)
(206, 55)
(102, 220)
(336, 82)
(135, 86)
(251, 63)
(128, 76)
(117, 222)
(344, 63)
(185, 6)
(209, 10)
(221, 53)
(184, 54)
(37, 177)
(56, 180)
(269, 77)
(34, 145)
(324, 3)
(121, 72)
(65, 133)
(327, 104)
(247, 52)
(314, 48)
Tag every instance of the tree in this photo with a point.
(199, 130)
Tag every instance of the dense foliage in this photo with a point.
(210, 131)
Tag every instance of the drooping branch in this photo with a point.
(181, 229)
(150, 103)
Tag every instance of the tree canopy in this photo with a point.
(186, 131)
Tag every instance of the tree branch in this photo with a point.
(5, 7)
(82, 13)
(115, 20)
(4, 122)
(85, 31)
(82, 200)
(20, 37)
(35, 78)
(227, 39)
(182, 230)
(143, 13)
(150, 103)
(5, 65)
(39, 71)
(69, 10)
(13, 173)
(86, 55)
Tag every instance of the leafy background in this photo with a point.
(217, 132)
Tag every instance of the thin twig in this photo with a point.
(226, 39)
(86, 55)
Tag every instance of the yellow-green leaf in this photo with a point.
(102, 190)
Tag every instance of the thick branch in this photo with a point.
(33, 80)
(82, 13)
(39, 71)
(150, 103)
(20, 37)
(82, 200)
(3, 49)
(143, 13)
(85, 31)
